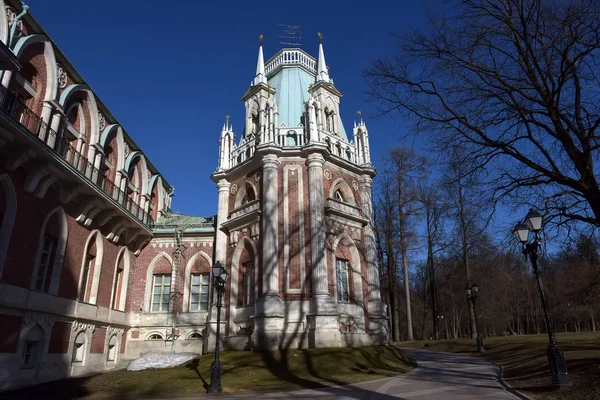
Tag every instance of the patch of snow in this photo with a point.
(160, 360)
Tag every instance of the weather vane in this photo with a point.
(260, 38)
(320, 37)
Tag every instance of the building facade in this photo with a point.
(95, 268)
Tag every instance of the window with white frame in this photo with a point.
(116, 297)
(161, 289)
(199, 292)
(341, 267)
(79, 349)
(338, 195)
(44, 263)
(85, 284)
(195, 336)
(32, 348)
(155, 336)
(112, 349)
(248, 284)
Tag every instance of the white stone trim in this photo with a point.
(286, 229)
(343, 186)
(59, 255)
(187, 280)
(10, 214)
(97, 236)
(149, 274)
(357, 292)
(235, 276)
(124, 252)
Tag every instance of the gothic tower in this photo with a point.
(294, 215)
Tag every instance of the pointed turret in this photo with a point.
(322, 72)
(260, 65)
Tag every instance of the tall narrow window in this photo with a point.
(112, 349)
(78, 349)
(341, 267)
(87, 266)
(199, 292)
(33, 347)
(116, 297)
(45, 262)
(249, 284)
(160, 293)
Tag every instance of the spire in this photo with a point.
(322, 72)
(260, 64)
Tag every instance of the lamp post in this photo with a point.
(556, 358)
(219, 278)
(472, 294)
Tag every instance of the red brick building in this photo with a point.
(95, 269)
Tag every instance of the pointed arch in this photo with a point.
(130, 163)
(354, 260)
(7, 219)
(347, 193)
(120, 284)
(66, 95)
(49, 57)
(245, 193)
(149, 275)
(187, 280)
(104, 141)
(95, 264)
(59, 253)
(244, 244)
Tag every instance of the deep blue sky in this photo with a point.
(171, 70)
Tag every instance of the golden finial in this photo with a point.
(227, 117)
(260, 38)
(320, 37)
(358, 112)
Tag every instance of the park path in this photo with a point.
(438, 375)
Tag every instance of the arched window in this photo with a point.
(119, 289)
(154, 336)
(249, 195)
(343, 292)
(79, 349)
(254, 123)
(195, 336)
(291, 138)
(90, 269)
(248, 284)
(32, 350)
(49, 255)
(112, 349)
(338, 195)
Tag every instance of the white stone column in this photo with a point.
(270, 233)
(377, 329)
(317, 231)
(46, 116)
(222, 211)
(374, 292)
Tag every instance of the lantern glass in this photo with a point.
(521, 232)
(475, 288)
(534, 220)
(217, 269)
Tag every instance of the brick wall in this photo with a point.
(9, 333)
(98, 339)
(59, 338)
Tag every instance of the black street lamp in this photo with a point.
(219, 278)
(472, 294)
(556, 358)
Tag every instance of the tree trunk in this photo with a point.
(403, 248)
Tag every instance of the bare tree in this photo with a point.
(515, 83)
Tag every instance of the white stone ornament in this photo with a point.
(101, 120)
(257, 177)
(10, 16)
(233, 189)
(62, 76)
(355, 185)
(327, 174)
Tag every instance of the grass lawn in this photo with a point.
(243, 372)
(526, 366)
